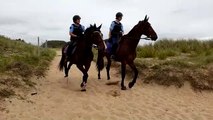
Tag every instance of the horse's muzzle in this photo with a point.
(154, 38)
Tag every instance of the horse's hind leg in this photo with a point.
(132, 65)
(67, 68)
(123, 74)
(99, 74)
(108, 66)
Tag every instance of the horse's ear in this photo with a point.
(145, 19)
(94, 25)
(99, 27)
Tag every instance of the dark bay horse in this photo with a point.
(126, 51)
(83, 55)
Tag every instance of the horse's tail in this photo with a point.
(61, 63)
(100, 60)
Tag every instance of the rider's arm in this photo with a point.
(73, 35)
(122, 29)
(109, 34)
(83, 28)
(71, 31)
(111, 28)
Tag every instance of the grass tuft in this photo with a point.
(21, 61)
(6, 93)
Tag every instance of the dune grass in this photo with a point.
(171, 62)
(165, 48)
(21, 60)
(16, 54)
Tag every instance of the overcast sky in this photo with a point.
(51, 19)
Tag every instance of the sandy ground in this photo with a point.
(57, 100)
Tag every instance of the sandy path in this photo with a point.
(57, 100)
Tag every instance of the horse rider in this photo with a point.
(115, 33)
(76, 32)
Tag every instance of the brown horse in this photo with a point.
(83, 55)
(126, 51)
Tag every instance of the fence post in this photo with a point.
(38, 47)
(46, 44)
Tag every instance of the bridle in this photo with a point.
(146, 38)
(99, 42)
(99, 33)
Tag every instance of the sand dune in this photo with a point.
(57, 100)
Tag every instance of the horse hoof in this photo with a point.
(99, 78)
(66, 76)
(123, 88)
(83, 86)
(83, 90)
(108, 78)
(131, 84)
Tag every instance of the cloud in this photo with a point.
(5, 21)
(50, 19)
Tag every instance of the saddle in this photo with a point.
(70, 48)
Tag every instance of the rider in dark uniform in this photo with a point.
(115, 33)
(76, 32)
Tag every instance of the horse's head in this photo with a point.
(94, 35)
(93, 28)
(147, 29)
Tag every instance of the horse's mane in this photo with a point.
(136, 28)
(134, 31)
(88, 31)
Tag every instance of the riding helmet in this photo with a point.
(76, 17)
(119, 14)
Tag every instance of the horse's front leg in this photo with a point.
(85, 77)
(123, 74)
(132, 65)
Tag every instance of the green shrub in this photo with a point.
(165, 53)
(166, 48)
(146, 51)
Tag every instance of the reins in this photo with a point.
(144, 38)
